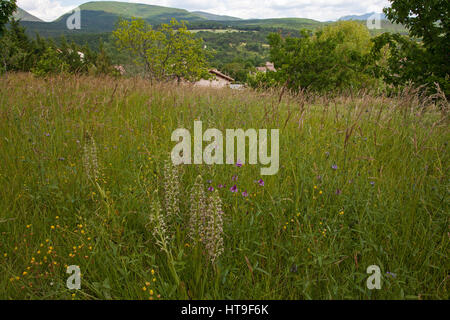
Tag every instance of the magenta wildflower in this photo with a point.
(234, 188)
(238, 164)
(334, 167)
(234, 178)
(220, 186)
(245, 194)
(211, 188)
(261, 182)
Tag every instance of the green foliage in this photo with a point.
(429, 21)
(263, 80)
(50, 63)
(7, 8)
(171, 52)
(18, 52)
(332, 58)
(42, 57)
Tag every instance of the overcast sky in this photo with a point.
(322, 10)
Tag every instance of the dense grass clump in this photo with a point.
(363, 181)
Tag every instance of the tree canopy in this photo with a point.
(170, 52)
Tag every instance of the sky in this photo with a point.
(322, 10)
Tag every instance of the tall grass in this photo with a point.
(363, 180)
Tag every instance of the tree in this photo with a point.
(332, 58)
(170, 52)
(7, 8)
(429, 21)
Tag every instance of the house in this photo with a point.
(268, 67)
(218, 80)
(119, 69)
(80, 54)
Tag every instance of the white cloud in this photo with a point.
(322, 10)
(47, 10)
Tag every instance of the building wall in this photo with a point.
(213, 83)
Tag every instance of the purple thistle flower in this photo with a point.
(211, 188)
(245, 194)
(391, 274)
(334, 167)
(261, 182)
(234, 188)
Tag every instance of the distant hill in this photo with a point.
(101, 17)
(214, 17)
(21, 14)
(362, 17)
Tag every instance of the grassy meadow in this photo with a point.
(363, 180)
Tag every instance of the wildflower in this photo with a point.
(393, 275)
(238, 164)
(214, 228)
(245, 194)
(234, 188)
(152, 272)
(372, 183)
(261, 182)
(158, 221)
(220, 186)
(211, 188)
(334, 167)
(234, 177)
(338, 191)
(341, 212)
(90, 161)
(198, 211)
(171, 189)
